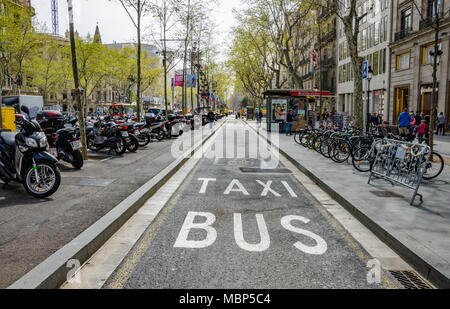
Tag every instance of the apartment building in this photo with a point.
(325, 49)
(412, 63)
(373, 46)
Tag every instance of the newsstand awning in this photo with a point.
(296, 93)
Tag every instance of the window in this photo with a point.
(375, 63)
(426, 56)
(405, 20)
(403, 61)
(364, 39)
(431, 9)
(377, 33)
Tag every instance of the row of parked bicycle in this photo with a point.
(352, 146)
(30, 155)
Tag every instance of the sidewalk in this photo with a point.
(443, 146)
(420, 234)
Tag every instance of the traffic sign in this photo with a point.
(365, 69)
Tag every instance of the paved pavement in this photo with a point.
(31, 230)
(232, 226)
(419, 232)
(443, 145)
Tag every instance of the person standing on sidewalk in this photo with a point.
(289, 120)
(422, 130)
(404, 120)
(260, 116)
(211, 119)
(441, 124)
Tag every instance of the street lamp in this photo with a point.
(369, 79)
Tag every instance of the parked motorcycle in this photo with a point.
(133, 144)
(64, 144)
(23, 159)
(105, 134)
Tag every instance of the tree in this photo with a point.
(164, 11)
(44, 68)
(18, 41)
(139, 7)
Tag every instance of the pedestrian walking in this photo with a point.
(289, 120)
(418, 118)
(441, 124)
(260, 116)
(404, 125)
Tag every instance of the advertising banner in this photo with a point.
(192, 81)
(179, 80)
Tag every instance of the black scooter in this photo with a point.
(105, 134)
(64, 144)
(23, 159)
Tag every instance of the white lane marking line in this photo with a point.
(267, 188)
(289, 189)
(264, 243)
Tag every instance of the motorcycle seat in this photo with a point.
(9, 138)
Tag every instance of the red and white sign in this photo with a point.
(309, 93)
(179, 80)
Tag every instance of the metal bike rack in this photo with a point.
(400, 163)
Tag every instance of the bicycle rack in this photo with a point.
(400, 163)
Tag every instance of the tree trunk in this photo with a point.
(81, 117)
(138, 97)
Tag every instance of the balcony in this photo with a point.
(403, 34)
(426, 23)
(305, 61)
(329, 36)
(306, 76)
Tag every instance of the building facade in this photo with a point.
(411, 83)
(373, 46)
(325, 52)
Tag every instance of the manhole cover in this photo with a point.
(265, 171)
(410, 280)
(386, 194)
(88, 182)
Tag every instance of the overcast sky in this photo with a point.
(114, 23)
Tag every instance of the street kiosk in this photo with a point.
(280, 102)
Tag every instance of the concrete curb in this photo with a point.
(52, 272)
(427, 270)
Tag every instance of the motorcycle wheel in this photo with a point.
(121, 146)
(78, 161)
(50, 179)
(133, 145)
(144, 140)
(160, 136)
(91, 144)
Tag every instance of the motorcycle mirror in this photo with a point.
(25, 109)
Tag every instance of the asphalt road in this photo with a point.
(241, 230)
(31, 230)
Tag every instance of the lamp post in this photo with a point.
(369, 79)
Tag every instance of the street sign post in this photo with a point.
(365, 69)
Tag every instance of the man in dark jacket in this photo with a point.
(289, 121)
(211, 118)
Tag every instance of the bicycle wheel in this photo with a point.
(341, 151)
(362, 159)
(434, 167)
(324, 147)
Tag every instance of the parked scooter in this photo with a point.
(105, 134)
(133, 144)
(23, 158)
(64, 144)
